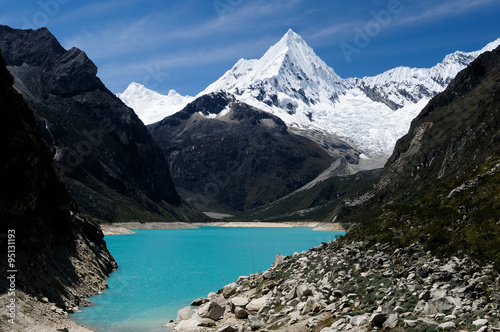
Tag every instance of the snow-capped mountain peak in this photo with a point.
(151, 106)
(292, 82)
(289, 75)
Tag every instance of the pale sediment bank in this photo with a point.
(127, 228)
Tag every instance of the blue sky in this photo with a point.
(187, 44)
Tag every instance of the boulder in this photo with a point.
(278, 260)
(229, 289)
(185, 313)
(199, 301)
(308, 306)
(410, 323)
(440, 305)
(291, 294)
(187, 325)
(391, 322)
(240, 313)
(303, 291)
(268, 274)
(480, 322)
(377, 320)
(238, 301)
(255, 322)
(227, 328)
(360, 320)
(425, 295)
(446, 326)
(256, 304)
(211, 310)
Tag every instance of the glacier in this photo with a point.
(293, 83)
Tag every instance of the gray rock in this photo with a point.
(216, 312)
(391, 322)
(440, 305)
(256, 304)
(229, 289)
(211, 310)
(377, 320)
(185, 313)
(308, 306)
(206, 322)
(312, 322)
(447, 325)
(238, 301)
(303, 291)
(291, 294)
(255, 322)
(425, 295)
(268, 274)
(410, 323)
(338, 323)
(199, 301)
(278, 260)
(449, 318)
(240, 313)
(360, 320)
(480, 322)
(227, 328)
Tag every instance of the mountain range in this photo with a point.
(71, 146)
(107, 158)
(293, 83)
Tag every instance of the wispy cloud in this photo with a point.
(432, 11)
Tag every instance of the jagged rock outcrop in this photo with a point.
(355, 286)
(108, 160)
(441, 183)
(57, 255)
(225, 150)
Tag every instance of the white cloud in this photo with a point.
(446, 9)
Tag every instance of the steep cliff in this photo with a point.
(54, 252)
(108, 160)
(440, 186)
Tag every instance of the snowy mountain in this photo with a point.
(290, 75)
(151, 106)
(293, 83)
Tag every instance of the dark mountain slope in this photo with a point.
(107, 157)
(440, 186)
(59, 253)
(226, 151)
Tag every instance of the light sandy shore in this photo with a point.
(127, 228)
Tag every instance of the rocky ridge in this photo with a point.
(57, 257)
(105, 154)
(223, 150)
(341, 286)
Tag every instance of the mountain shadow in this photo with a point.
(54, 251)
(229, 155)
(440, 186)
(107, 158)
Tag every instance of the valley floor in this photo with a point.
(127, 228)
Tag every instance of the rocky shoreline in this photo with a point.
(343, 286)
(127, 228)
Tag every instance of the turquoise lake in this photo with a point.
(162, 271)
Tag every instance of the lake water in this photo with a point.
(161, 271)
